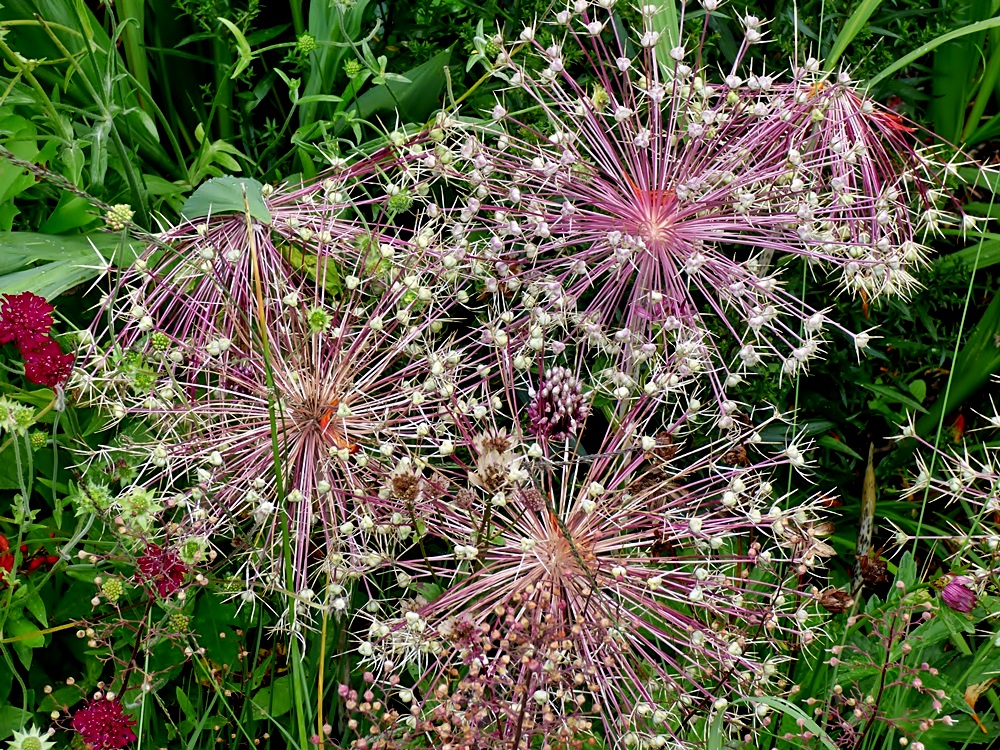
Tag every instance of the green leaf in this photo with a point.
(414, 101)
(892, 396)
(972, 368)
(13, 719)
(790, 709)
(828, 441)
(224, 195)
(66, 261)
(242, 47)
(919, 389)
(932, 45)
(275, 699)
(850, 30)
(906, 573)
(667, 23)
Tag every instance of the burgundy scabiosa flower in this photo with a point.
(104, 725)
(45, 363)
(24, 318)
(654, 208)
(957, 592)
(160, 569)
(637, 560)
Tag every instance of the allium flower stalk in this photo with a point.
(669, 574)
(657, 208)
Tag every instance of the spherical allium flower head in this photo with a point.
(663, 206)
(558, 408)
(957, 592)
(104, 725)
(24, 318)
(161, 570)
(45, 363)
(335, 388)
(638, 560)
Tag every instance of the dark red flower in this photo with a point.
(24, 318)
(6, 556)
(104, 725)
(162, 568)
(45, 363)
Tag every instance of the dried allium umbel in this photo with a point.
(655, 207)
(641, 566)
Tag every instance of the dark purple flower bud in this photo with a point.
(558, 409)
(957, 592)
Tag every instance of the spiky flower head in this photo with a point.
(302, 414)
(636, 561)
(658, 208)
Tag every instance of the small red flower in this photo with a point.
(24, 318)
(104, 725)
(45, 363)
(6, 556)
(162, 568)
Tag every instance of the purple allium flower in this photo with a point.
(558, 409)
(957, 592)
(639, 562)
(655, 208)
(160, 569)
(196, 285)
(342, 388)
(104, 725)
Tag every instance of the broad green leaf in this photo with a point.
(66, 261)
(931, 46)
(414, 101)
(275, 699)
(977, 256)
(852, 26)
(667, 24)
(224, 195)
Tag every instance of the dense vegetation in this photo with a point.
(441, 374)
